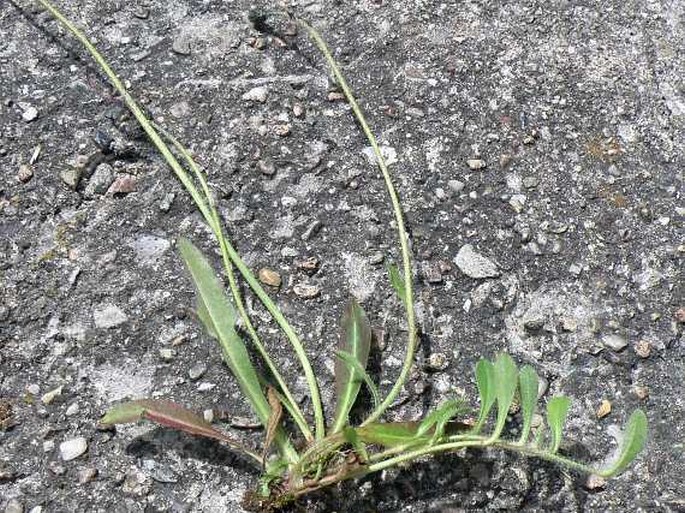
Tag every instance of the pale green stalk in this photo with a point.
(204, 209)
(478, 442)
(397, 209)
(287, 398)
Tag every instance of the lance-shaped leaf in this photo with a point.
(485, 380)
(355, 339)
(171, 415)
(528, 390)
(205, 319)
(506, 383)
(391, 434)
(354, 363)
(397, 282)
(219, 318)
(437, 420)
(557, 409)
(633, 441)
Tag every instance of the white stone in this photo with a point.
(615, 342)
(72, 449)
(108, 316)
(257, 94)
(475, 265)
(30, 113)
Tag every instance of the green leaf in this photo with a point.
(219, 317)
(485, 379)
(351, 437)
(205, 319)
(632, 443)
(528, 390)
(354, 363)
(438, 419)
(355, 339)
(397, 282)
(506, 383)
(167, 414)
(391, 434)
(557, 409)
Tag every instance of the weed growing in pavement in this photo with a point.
(337, 451)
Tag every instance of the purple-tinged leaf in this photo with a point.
(171, 415)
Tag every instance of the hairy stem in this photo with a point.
(397, 209)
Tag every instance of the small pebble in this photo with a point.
(575, 269)
(71, 176)
(99, 182)
(309, 265)
(167, 354)
(530, 182)
(437, 362)
(181, 46)
(50, 396)
(257, 94)
(123, 184)
(475, 164)
(595, 482)
(208, 415)
(306, 291)
(197, 371)
(86, 475)
(108, 316)
(25, 173)
(680, 315)
(269, 277)
(266, 167)
(569, 324)
(537, 420)
(641, 392)
(335, 96)
(604, 409)
(643, 348)
(73, 448)
(518, 202)
(205, 387)
(456, 185)
(48, 446)
(298, 110)
(475, 265)
(614, 342)
(282, 130)
(30, 113)
(166, 201)
(72, 410)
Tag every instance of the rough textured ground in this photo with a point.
(576, 110)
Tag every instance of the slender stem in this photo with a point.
(397, 209)
(288, 399)
(204, 209)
